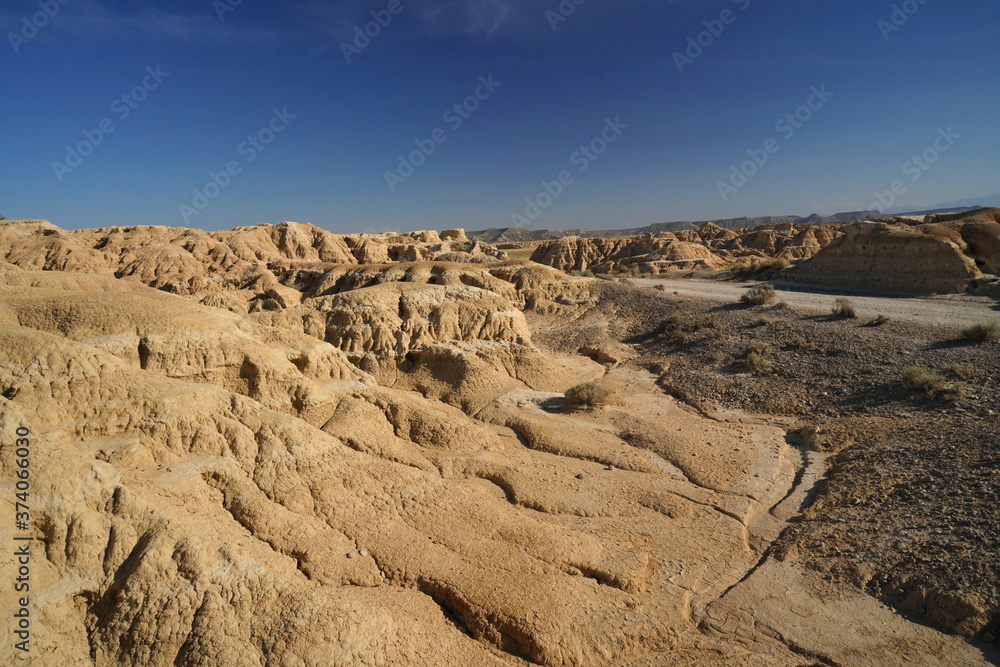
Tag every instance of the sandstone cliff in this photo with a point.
(895, 258)
(708, 247)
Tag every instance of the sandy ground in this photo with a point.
(949, 310)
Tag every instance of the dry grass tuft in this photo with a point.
(844, 308)
(879, 321)
(963, 371)
(932, 384)
(588, 395)
(799, 342)
(982, 332)
(759, 295)
(757, 359)
(764, 270)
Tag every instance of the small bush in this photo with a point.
(757, 357)
(756, 363)
(880, 321)
(844, 308)
(760, 270)
(920, 379)
(953, 393)
(661, 287)
(759, 295)
(963, 371)
(799, 342)
(678, 323)
(588, 395)
(982, 332)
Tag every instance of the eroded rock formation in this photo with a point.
(940, 255)
(277, 446)
(708, 247)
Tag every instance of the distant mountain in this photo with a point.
(946, 209)
(522, 235)
(962, 204)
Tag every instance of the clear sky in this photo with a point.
(662, 132)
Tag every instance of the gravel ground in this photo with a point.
(909, 512)
(947, 311)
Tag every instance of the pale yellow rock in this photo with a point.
(298, 458)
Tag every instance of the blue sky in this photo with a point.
(344, 124)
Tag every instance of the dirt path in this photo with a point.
(946, 311)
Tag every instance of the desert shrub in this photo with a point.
(925, 380)
(982, 332)
(844, 308)
(756, 362)
(963, 371)
(758, 295)
(661, 287)
(953, 393)
(588, 395)
(879, 321)
(757, 357)
(762, 321)
(799, 342)
(764, 270)
(679, 323)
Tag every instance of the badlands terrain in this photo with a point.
(279, 446)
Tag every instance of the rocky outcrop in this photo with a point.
(893, 258)
(580, 254)
(217, 487)
(708, 247)
(284, 456)
(198, 263)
